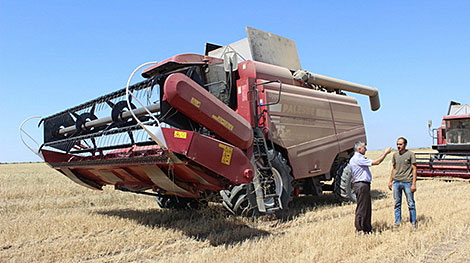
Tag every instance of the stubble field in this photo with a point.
(45, 217)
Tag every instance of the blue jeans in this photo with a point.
(398, 188)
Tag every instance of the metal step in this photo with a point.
(271, 196)
(271, 210)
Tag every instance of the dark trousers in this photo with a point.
(364, 207)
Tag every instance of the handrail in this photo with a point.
(131, 110)
(280, 90)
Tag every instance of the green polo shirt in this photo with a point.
(403, 166)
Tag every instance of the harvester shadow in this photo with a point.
(303, 204)
(212, 224)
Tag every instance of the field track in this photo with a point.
(45, 217)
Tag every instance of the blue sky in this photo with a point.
(57, 54)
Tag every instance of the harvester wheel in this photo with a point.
(241, 199)
(236, 200)
(342, 183)
(282, 185)
(175, 202)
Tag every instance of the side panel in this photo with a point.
(217, 156)
(348, 121)
(313, 126)
(302, 122)
(221, 158)
(245, 98)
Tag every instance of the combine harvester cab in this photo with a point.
(243, 119)
(452, 158)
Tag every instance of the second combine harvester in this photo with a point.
(243, 120)
(452, 138)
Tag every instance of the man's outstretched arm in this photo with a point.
(382, 157)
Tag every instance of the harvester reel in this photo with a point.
(84, 118)
(55, 124)
(118, 109)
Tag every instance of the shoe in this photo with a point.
(396, 225)
(414, 225)
(363, 233)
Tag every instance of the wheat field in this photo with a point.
(45, 217)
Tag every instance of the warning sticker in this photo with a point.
(222, 121)
(195, 102)
(226, 154)
(180, 134)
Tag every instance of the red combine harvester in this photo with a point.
(452, 145)
(256, 131)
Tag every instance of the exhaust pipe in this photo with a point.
(332, 83)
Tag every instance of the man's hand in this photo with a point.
(390, 186)
(413, 188)
(382, 157)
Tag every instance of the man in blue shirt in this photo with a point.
(362, 177)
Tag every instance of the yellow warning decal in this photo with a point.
(226, 154)
(180, 134)
(222, 121)
(195, 102)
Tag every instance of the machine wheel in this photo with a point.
(176, 202)
(241, 199)
(282, 185)
(342, 183)
(236, 200)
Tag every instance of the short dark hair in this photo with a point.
(404, 139)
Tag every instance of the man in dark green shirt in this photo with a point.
(403, 179)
